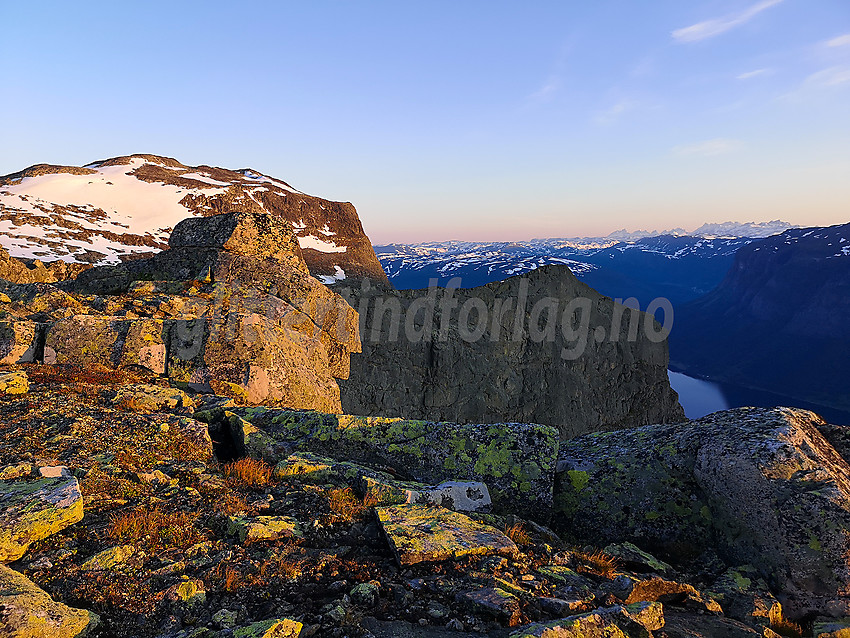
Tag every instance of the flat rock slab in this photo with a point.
(608, 622)
(34, 509)
(422, 533)
(273, 628)
(28, 611)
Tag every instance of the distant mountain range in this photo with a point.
(623, 264)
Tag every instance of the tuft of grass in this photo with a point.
(248, 472)
(518, 534)
(781, 625)
(598, 563)
(155, 528)
(345, 504)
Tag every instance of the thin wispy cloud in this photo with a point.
(752, 74)
(840, 41)
(716, 26)
(615, 112)
(826, 78)
(822, 83)
(547, 91)
(709, 148)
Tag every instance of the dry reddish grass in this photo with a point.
(345, 505)
(96, 375)
(248, 473)
(597, 562)
(155, 528)
(517, 534)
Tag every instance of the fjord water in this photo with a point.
(700, 397)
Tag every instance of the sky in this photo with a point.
(479, 120)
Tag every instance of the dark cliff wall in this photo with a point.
(466, 370)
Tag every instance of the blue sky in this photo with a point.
(473, 120)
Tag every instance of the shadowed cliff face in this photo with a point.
(570, 358)
(778, 322)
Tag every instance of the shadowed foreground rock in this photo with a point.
(515, 460)
(762, 486)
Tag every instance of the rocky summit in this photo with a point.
(126, 206)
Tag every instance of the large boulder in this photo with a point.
(29, 612)
(230, 308)
(515, 460)
(32, 509)
(538, 348)
(761, 486)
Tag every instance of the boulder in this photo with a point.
(14, 382)
(421, 533)
(606, 622)
(760, 485)
(29, 612)
(492, 601)
(744, 595)
(262, 528)
(230, 308)
(18, 342)
(32, 509)
(515, 460)
(272, 628)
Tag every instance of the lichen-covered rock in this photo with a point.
(141, 397)
(28, 612)
(18, 342)
(189, 591)
(421, 533)
(761, 485)
(14, 382)
(230, 308)
(273, 628)
(633, 557)
(607, 622)
(262, 528)
(109, 559)
(515, 460)
(460, 496)
(744, 595)
(34, 509)
(669, 591)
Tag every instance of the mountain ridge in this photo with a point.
(114, 209)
